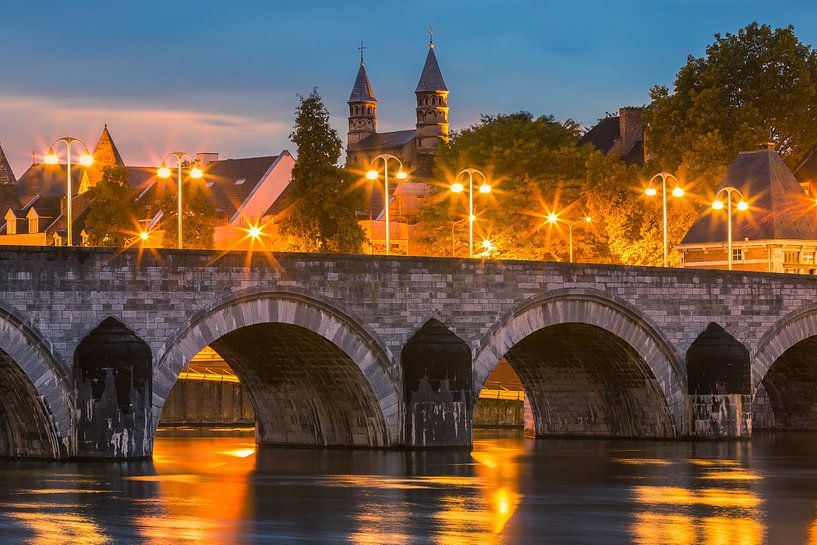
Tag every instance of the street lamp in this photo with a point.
(553, 218)
(742, 205)
(86, 160)
(677, 192)
(195, 173)
(484, 188)
(373, 175)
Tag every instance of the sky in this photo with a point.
(224, 77)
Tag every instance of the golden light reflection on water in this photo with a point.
(686, 515)
(60, 528)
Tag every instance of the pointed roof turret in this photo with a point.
(6, 174)
(105, 152)
(431, 79)
(362, 89)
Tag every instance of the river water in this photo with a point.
(220, 490)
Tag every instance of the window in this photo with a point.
(11, 226)
(737, 254)
(790, 256)
(240, 181)
(33, 226)
(807, 258)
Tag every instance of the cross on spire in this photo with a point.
(430, 33)
(361, 49)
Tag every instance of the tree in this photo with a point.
(199, 219)
(321, 207)
(112, 212)
(534, 167)
(753, 86)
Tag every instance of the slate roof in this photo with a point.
(49, 180)
(221, 176)
(806, 171)
(362, 89)
(779, 208)
(603, 135)
(6, 174)
(382, 140)
(431, 79)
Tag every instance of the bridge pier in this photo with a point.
(719, 386)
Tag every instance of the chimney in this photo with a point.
(203, 158)
(769, 145)
(630, 128)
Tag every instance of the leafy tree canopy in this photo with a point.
(112, 212)
(750, 87)
(199, 219)
(321, 208)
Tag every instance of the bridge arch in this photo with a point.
(35, 400)
(784, 373)
(354, 384)
(610, 331)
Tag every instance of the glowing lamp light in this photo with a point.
(457, 187)
(401, 175)
(472, 217)
(484, 188)
(196, 173)
(255, 231)
(487, 245)
(588, 219)
(163, 172)
(50, 158)
(717, 205)
(650, 192)
(678, 192)
(144, 235)
(552, 218)
(86, 159)
(371, 175)
(743, 205)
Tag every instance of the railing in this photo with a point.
(502, 390)
(208, 366)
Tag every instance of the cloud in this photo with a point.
(143, 134)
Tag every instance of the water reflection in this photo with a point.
(508, 490)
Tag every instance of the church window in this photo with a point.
(426, 101)
(433, 101)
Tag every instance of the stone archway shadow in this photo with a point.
(324, 318)
(796, 326)
(597, 309)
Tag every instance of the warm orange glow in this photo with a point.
(678, 192)
(144, 235)
(487, 245)
(473, 218)
(457, 187)
(163, 172)
(255, 231)
(717, 205)
(743, 205)
(552, 218)
(372, 175)
(485, 188)
(401, 175)
(588, 219)
(50, 158)
(86, 159)
(196, 173)
(650, 191)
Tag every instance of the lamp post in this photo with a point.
(677, 192)
(484, 188)
(86, 160)
(742, 205)
(553, 218)
(164, 172)
(374, 175)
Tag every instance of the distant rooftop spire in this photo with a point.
(105, 152)
(430, 33)
(6, 175)
(362, 89)
(431, 78)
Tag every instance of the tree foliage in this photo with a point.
(750, 87)
(321, 206)
(534, 167)
(199, 216)
(112, 212)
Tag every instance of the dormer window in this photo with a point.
(33, 221)
(11, 223)
(240, 181)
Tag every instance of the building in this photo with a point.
(778, 233)
(621, 135)
(243, 191)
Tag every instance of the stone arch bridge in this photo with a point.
(371, 351)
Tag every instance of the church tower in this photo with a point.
(432, 105)
(362, 107)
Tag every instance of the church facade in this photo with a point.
(414, 147)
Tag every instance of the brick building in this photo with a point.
(778, 233)
(621, 135)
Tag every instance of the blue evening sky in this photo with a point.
(222, 76)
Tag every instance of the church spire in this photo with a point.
(362, 106)
(432, 105)
(431, 79)
(105, 152)
(362, 89)
(6, 174)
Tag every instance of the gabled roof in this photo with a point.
(6, 174)
(362, 89)
(383, 140)
(806, 171)
(228, 191)
(603, 135)
(778, 206)
(431, 78)
(49, 180)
